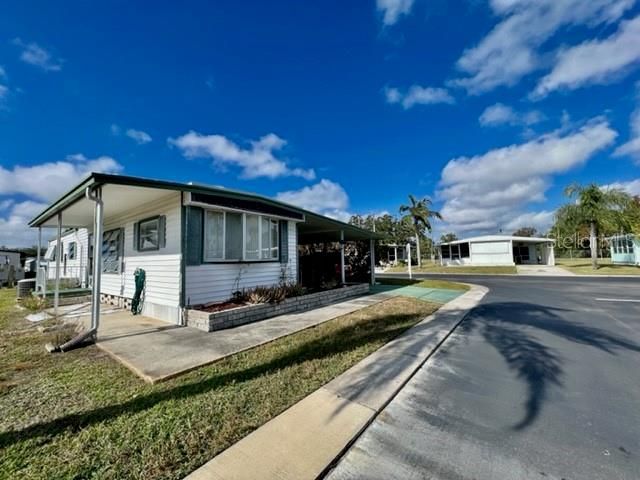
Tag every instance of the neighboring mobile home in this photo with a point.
(74, 262)
(625, 249)
(197, 244)
(490, 250)
(10, 268)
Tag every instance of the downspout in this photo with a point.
(91, 334)
(184, 226)
(38, 287)
(342, 273)
(56, 292)
(97, 255)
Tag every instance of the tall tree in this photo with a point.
(448, 237)
(596, 208)
(421, 214)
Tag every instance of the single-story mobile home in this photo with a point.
(394, 254)
(197, 244)
(492, 250)
(625, 249)
(10, 267)
(74, 263)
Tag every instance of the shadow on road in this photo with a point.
(510, 327)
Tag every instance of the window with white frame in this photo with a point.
(230, 236)
(150, 234)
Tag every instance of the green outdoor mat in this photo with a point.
(436, 295)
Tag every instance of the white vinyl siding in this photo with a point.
(211, 282)
(491, 253)
(76, 267)
(162, 267)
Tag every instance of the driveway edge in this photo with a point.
(307, 439)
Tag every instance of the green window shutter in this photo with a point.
(136, 236)
(194, 228)
(284, 241)
(162, 231)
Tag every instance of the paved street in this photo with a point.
(541, 381)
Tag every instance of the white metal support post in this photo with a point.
(56, 292)
(409, 260)
(372, 257)
(342, 274)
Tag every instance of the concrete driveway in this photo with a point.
(541, 381)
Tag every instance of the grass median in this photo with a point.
(582, 266)
(82, 415)
(453, 269)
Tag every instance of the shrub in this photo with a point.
(34, 303)
(270, 294)
(259, 295)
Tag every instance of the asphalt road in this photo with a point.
(540, 381)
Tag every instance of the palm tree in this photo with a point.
(594, 207)
(421, 215)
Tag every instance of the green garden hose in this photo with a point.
(136, 302)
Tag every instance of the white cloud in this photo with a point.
(35, 55)
(632, 147)
(632, 187)
(541, 221)
(510, 50)
(325, 197)
(46, 181)
(490, 191)
(594, 61)
(4, 90)
(256, 161)
(417, 95)
(41, 184)
(14, 231)
(500, 114)
(138, 136)
(392, 10)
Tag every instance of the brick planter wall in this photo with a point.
(210, 322)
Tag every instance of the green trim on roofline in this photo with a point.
(96, 179)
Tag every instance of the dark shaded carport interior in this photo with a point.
(319, 251)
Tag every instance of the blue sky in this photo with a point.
(489, 107)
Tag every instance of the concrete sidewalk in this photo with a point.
(303, 441)
(544, 270)
(157, 351)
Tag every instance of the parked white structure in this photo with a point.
(197, 244)
(74, 262)
(489, 250)
(10, 267)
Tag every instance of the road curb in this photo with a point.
(308, 438)
(461, 274)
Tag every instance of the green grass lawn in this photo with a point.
(424, 283)
(583, 266)
(82, 415)
(431, 268)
